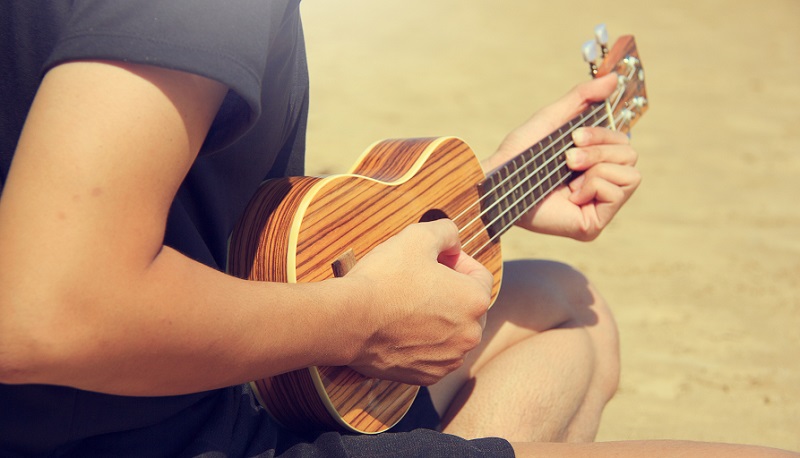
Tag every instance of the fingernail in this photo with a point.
(575, 157)
(580, 136)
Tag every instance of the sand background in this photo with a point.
(702, 267)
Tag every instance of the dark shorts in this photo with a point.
(231, 423)
(414, 436)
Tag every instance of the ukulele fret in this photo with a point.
(520, 184)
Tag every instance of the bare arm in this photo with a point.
(89, 296)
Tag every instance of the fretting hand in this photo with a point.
(584, 208)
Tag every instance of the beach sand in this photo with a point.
(702, 267)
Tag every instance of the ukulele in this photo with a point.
(309, 229)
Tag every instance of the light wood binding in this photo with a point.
(295, 228)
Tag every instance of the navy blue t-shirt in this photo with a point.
(254, 47)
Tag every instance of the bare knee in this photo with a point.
(605, 337)
(555, 295)
(543, 295)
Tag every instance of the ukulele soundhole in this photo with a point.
(432, 215)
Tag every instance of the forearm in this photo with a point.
(174, 327)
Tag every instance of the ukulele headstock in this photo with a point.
(629, 102)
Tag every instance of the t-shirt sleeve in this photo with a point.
(221, 40)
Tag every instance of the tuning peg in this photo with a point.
(626, 116)
(631, 62)
(591, 53)
(601, 37)
(639, 102)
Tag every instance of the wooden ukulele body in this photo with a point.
(295, 228)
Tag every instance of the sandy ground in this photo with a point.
(703, 265)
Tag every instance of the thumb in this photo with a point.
(445, 242)
(469, 266)
(450, 254)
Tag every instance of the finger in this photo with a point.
(587, 157)
(439, 236)
(447, 247)
(582, 95)
(599, 191)
(617, 174)
(586, 136)
(606, 183)
(467, 265)
(596, 89)
(577, 99)
(609, 199)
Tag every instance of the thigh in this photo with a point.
(535, 296)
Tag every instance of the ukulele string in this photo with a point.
(559, 181)
(559, 169)
(572, 127)
(520, 170)
(582, 122)
(617, 124)
(621, 119)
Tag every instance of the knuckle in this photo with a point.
(593, 152)
(413, 229)
(431, 230)
(481, 302)
(618, 136)
(587, 235)
(474, 338)
(455, 365)
(633, 155)
(583, 90)
(448, 224)
(417, 234)
(617, 194)
(636, 178)
(470, 337)
(426, 380)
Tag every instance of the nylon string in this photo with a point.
(581, 123)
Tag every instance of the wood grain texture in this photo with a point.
(295, 228)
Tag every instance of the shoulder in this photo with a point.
(217, 40)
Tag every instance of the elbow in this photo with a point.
(19, 356)
(13, 367)
(34, 340)
(13, 340)
(22, 350)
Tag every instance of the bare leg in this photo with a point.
(547, 365)
(654, 449)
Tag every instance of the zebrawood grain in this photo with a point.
(296, 227)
